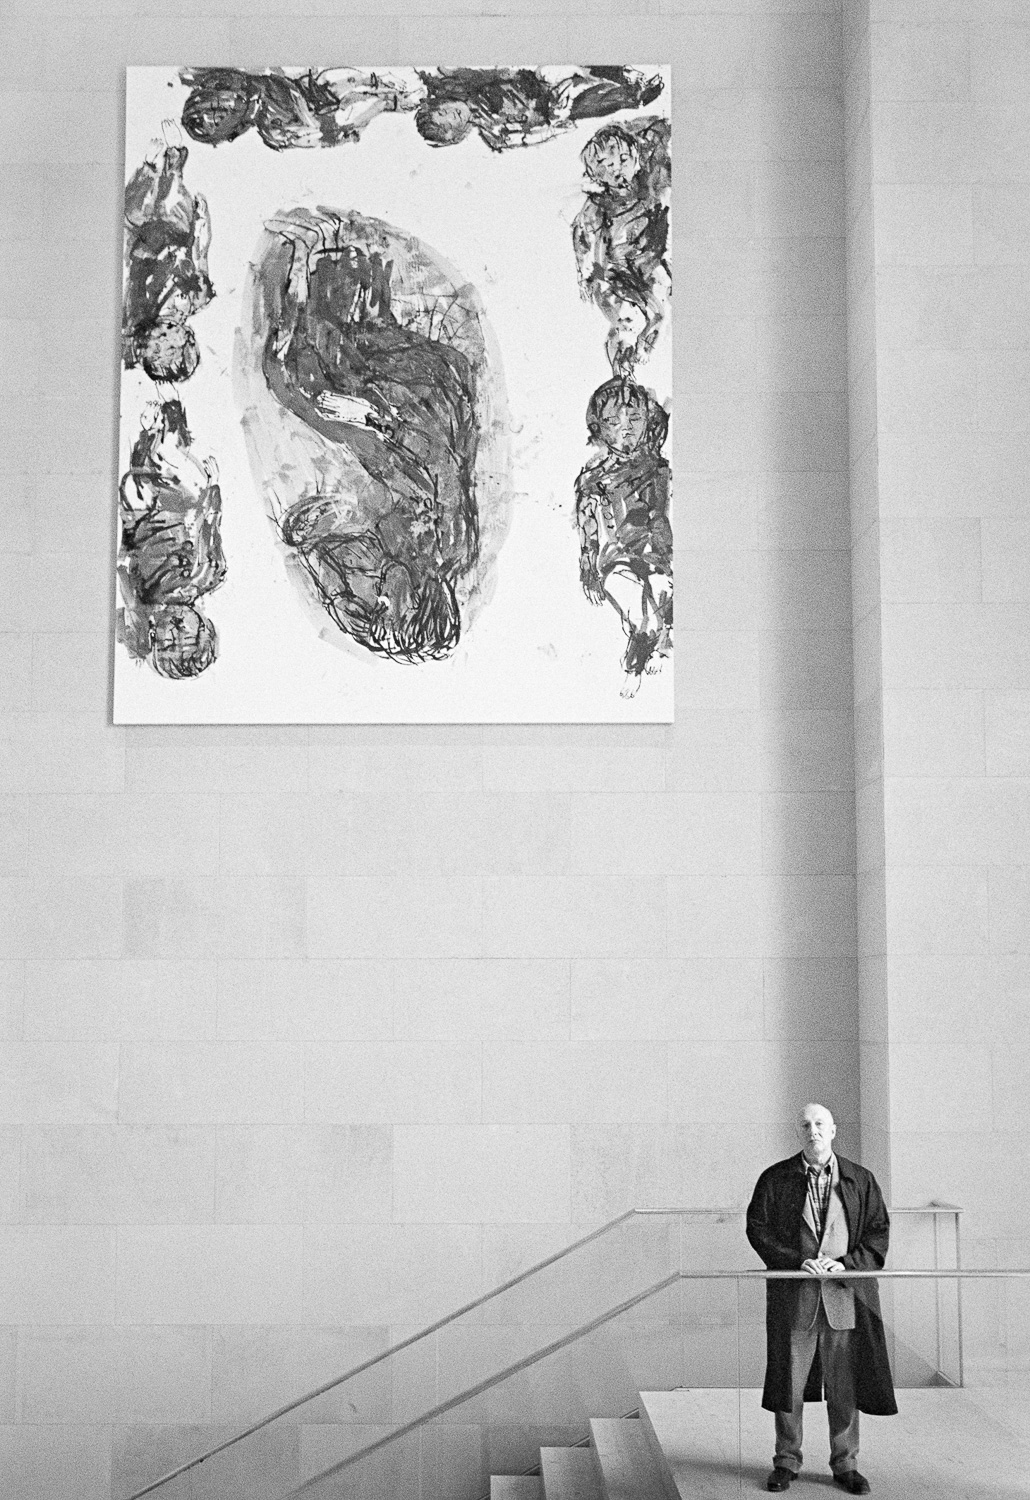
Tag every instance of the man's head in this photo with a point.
(183, 641)
(443, 122)
(166, 350)
(623, 417)
(816, 1130)
(611, 158)
(221, 106)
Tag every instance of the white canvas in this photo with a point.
(532, 647)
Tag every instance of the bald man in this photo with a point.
(819, 1213)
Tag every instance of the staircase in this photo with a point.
(583, 1330)
(625, 1461)
(709, 1444)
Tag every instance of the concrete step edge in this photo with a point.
(570, 1474)
(515, 1487)
(632, 1466)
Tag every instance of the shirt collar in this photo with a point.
(829, 1165)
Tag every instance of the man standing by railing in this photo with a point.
(819, 1213)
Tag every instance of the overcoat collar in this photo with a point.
(834, 1208)
(844, 1167)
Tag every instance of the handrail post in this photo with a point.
(958, 1289)
(937, 1290)
(740, 1439)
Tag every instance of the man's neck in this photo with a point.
(817, 1161)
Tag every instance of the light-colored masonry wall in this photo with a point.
(310, 1034)
(939, 214)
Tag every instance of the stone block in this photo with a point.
(365, 917)
(392, 1082)
(461, 999)
(489, 1174)
(210, 1083)
(118, 1174)
(57, 1274)
(109, 1375)
(55, 1463)
(934, 733)
(193, 1274)
(937, 910)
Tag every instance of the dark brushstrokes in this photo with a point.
(379, 354)
(620, 236)
(507, 107)
(511, 107)
(171, 552)
(308, 109)
(167, 235)
(622, 512)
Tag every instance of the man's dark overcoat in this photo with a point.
(774, 1231)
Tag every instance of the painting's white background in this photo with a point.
(537, 650)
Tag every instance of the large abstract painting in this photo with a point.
(395, 406)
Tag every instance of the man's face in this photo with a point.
(177, 630)
(177, 305)
(616, 164)
(816, 1129)
(218, 114)
(622, 427)
(170, 350)
(453, 120)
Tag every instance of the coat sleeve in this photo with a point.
(764, 1233)
(869, 1251)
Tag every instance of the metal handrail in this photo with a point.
(367, 1364)
(607, 1317)
(934, 1206)
(485, 1385)
(460, 1312)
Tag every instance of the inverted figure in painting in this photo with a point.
(620, 236)
(510, 107)
(387, 376)
(167, 237)
(293, 108)
(622, 514)
(170, 555)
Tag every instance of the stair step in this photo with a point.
(570, 1474)
(632, 1468)
(699, 1432)
(515, 1487)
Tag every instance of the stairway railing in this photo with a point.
(639, 1253)
(377, 1359)
(353, 1460)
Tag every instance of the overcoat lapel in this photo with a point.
(834, 1216)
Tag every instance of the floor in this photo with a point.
(943, 1445)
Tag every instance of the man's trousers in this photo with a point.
(839, 1382)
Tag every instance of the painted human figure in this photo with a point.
(822, 1214)
(291, 108)
(171, 551)
(511, 107)
(167, 236)
(622, 513)
(386, 551)
(620, 236)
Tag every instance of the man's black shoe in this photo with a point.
(854, 1482)
(780, 1479)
